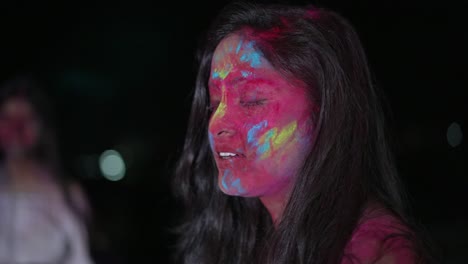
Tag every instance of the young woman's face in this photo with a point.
(19, 128)
(261, 127)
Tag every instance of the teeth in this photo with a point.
(227, 154)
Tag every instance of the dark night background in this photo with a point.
(120, 77)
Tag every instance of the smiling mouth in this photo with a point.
(228, 155)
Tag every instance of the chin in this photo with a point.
(235, 189)
(232, 190)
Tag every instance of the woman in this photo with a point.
(286, 158)
(42, 216)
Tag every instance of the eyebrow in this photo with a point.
(211, 82)
(238, 80)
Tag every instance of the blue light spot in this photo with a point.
(215, 75)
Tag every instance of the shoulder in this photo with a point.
(380, 237)
(79, 198)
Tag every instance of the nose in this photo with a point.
(223, 126)
(225, 132)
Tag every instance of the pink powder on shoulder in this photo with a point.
(379, 238)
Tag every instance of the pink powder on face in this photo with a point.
(18, 124)
(260, 117)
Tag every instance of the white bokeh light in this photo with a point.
(112, 165)
(454, 134)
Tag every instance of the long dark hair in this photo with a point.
(350, 165)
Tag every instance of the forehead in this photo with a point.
(237, 56)
(235, 45)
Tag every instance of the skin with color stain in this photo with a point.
(19, 127)
(261, 126)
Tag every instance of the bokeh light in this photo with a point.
(112, 165)
(454, 134)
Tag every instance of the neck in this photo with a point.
(17, 161)
(275, 203)
(19, 167)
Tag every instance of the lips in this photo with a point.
(229, 160)
(227, 156)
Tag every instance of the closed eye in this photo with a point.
(253, 103)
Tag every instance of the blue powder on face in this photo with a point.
(239, 45)
(238, 186)
(265, 146)
(229, 183)
(227, 173)
(252, 134)
(253, 56)
(245, 74)
(211, 140)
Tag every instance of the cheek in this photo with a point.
(278, 133)
(211, 140)
(279, 147)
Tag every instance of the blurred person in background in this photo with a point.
(43, 216)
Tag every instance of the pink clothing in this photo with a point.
(379, 238)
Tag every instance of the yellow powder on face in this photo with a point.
(220, 111)
(285, 134)
(223, 72)
(222, 107)
(273, 141)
